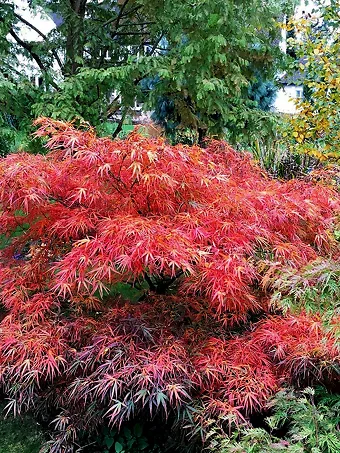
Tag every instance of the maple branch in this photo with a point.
(163, 284)
(149, 282)
(117, 19)
(166, 282)
(59, 200)
(11, 68)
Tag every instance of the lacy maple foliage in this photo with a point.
(197, 235)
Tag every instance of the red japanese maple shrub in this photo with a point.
(196, 234)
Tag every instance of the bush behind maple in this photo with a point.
(200, 235)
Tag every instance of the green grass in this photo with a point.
(19, 435)
(5, 240)
(108, 128)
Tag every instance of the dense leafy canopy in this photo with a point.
(202, 55)
(197, 240)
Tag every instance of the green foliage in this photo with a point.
(268, 144)
(17, 96)
(313, 419)
(7, 137)
(315, 288)
(19, 435)
(273, 154)
(310, 420)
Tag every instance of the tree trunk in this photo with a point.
(74, 43)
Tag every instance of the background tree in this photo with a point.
(204, 55)
(316, 128)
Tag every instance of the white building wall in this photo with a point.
(285, 99)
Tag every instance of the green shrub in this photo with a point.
(301, 422)
(131, 438)
(273, 154)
